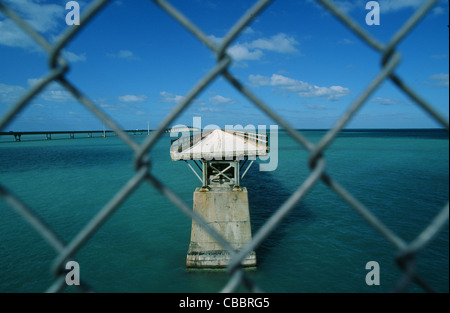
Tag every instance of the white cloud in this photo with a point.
(440, 80)
(385, 101)
(217, 99)
(56, 95)
(301, 88)
(12, 36)
(132, 98)
(209, 109)
(254, 50)
(108, 106)
(241, 52)
(123, 54)
(53, 92)
(392, 6)
(44, 18)
(345, 6)
(10, 93)
(316, 107)
(170, 98)
(248, 31)
(386, 6)
(346, 41)
(215, 39)
(439, 56)
(72, 57)
(438, 11)
(279, 43)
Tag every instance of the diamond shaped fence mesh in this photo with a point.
(59, 66)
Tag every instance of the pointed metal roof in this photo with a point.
(219, 144)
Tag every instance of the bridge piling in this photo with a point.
(221, 200)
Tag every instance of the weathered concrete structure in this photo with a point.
(221, 201)
(227, 211)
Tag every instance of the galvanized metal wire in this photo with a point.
(389, 60)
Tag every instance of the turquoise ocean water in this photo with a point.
(322, 246)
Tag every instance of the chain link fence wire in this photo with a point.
(58, 67)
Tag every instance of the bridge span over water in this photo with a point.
(47, 135)
(17, 135)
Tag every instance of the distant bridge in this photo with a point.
(71, 133)
(182, 129)
(87, 133)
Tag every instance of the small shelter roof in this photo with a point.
(219, 144)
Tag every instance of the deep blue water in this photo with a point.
(322, 246)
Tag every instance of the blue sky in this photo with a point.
(136, 62)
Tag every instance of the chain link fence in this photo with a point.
(58, 67)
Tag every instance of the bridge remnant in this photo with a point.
(221, 200)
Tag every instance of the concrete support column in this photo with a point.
(204, 175)
(227, 211)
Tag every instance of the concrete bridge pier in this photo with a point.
(221, 201)
(226, 210)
